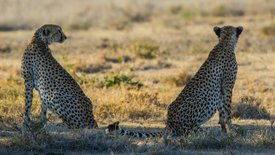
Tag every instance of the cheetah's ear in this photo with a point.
(239, 30)
(217, 30)
(46, 32)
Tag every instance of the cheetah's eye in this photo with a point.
(46, 32)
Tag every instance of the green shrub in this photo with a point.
(112, 80)
(146, 50)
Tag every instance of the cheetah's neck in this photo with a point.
(40, 43)
(227, 45)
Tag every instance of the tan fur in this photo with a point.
(208, 91)
(58, 91)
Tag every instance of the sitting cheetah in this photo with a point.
(58, 91)
(209, 90)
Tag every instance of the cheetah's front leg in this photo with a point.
(28, 103)
(222, 118)
(43, 112)
(225, 107)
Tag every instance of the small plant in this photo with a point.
(145, 50)
(249, 107)
(122, 59)
(113, 80)
(241, 131)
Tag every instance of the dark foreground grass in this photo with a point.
(57, 140)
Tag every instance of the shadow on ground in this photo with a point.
(246, 139)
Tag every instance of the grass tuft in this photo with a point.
(264, 138)
(146, 50)
(249, 107)
(113, 80)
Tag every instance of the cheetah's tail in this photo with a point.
(114, 127)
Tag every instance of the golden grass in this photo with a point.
(158, 45)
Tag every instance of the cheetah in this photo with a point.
(58, 91)
(208, 91)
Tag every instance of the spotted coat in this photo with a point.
(208, 91)
(58, 91)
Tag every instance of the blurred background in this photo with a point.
(132, 58)
(125, 14)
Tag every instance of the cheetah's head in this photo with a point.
(112, 127)
(50, 33)
(229, 33)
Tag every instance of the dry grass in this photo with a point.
(132, 58)
(269, 30)
(250, 108)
